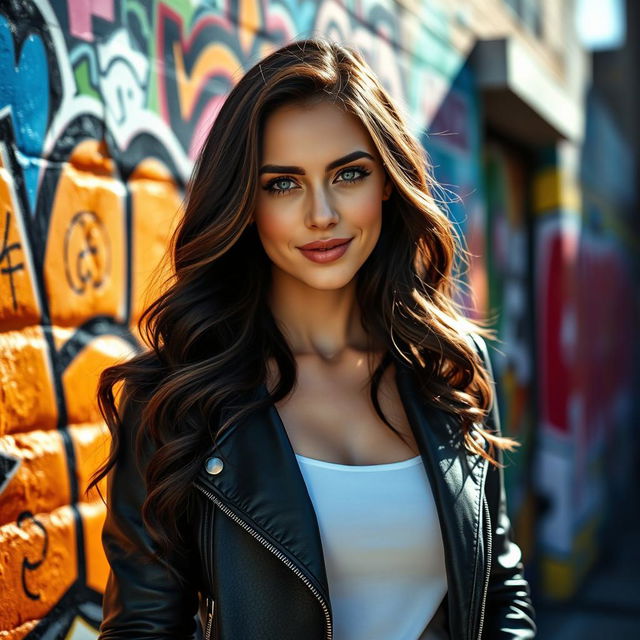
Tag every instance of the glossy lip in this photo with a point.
(322, 251)
(324, 244)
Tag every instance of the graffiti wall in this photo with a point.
(508, 268)
(454, 144)
(586, 265)
(103, 107)
(483, 186)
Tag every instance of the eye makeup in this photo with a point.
(269, 186)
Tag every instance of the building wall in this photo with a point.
(509, 274)
(586, 267)
(103, 107)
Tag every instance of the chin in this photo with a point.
(326, 281)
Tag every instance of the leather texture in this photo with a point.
(254, 555)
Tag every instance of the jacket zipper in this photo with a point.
(210, 606)
(488, 565)
(281, 556)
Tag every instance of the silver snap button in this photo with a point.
(214, 466)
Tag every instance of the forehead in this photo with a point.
(304, 134)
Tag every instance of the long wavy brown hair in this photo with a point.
(211, 332)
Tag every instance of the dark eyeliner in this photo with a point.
(268, 186)
(363, 170)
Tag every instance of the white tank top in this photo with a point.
(382, 546)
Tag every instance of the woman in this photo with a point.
(310, 448)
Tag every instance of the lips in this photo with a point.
(324, 245)
(322, 251)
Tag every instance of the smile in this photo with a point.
(325, 250)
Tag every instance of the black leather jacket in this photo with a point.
(255, 557)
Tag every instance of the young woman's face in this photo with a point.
(322, 183)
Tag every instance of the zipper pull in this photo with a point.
(210, 604)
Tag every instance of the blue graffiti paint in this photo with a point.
(24, 87)
(303, 13)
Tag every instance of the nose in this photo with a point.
(321, 214)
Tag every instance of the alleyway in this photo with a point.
(608, 606)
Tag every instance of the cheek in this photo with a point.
(274, 228)
(366, 212)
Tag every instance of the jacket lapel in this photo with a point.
(457, 482)
(261, 483)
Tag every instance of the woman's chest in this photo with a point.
(259, 520)
(331, 416)
(382, 546)
(375, 520)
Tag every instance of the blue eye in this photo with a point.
(270, 186)
(273, 190)
(361, 170)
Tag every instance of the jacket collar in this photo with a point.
(262, 483)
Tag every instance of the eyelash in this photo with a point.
(280, 192)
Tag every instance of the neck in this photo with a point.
(316, 321)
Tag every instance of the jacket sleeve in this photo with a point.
(509, 611)
(142, 599)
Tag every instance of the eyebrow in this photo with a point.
(350, 157)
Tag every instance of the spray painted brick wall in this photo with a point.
(103, 106)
